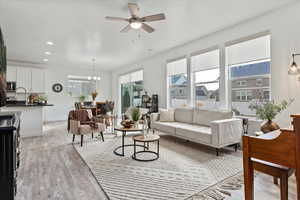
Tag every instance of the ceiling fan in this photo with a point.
(136, 22)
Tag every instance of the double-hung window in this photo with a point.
(205, 78)
(249, 73)
(177, 86)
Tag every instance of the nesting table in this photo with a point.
(145, 140)
(124, 132)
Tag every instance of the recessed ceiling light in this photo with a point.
(45, 60)
(49, 43)
(48, 53)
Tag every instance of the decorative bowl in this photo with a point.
(127, 123)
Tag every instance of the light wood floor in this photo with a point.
(52, 169)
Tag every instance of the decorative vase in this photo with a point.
(136, 124)
(269, 126)
(94, 95)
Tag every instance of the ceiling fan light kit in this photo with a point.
(136, 25)
(136, 22)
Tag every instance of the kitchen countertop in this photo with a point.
(28, 105)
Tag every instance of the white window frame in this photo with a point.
(245, 39)
(168, 100)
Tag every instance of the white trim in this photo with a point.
(252, 88)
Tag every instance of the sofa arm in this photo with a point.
(226, 132)
(154, 117)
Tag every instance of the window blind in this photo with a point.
(208, 60)
(132, 77)
(177, 67)
(251, 50)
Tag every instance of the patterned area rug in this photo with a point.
(185, 170)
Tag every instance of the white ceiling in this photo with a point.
(80, 32)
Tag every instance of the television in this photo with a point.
(3, 66)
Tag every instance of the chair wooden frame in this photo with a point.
(276, 154)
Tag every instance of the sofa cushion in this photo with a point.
(184, 115)
(204, 117)
(166, 115)
(194, 132)
(166, 127)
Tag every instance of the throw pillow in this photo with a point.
(166, 115)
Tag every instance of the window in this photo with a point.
(206, 75)
(259, 82)
(249, 73)
(242, 83)
(177, 83)
(80, 86)
(132, 86)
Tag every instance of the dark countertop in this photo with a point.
(28, 105)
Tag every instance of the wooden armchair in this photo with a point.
(277, 154)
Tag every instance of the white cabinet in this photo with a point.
(24, 78)
(11, 75)
(32, 79)
(38, 80)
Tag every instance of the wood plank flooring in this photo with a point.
(51, 169)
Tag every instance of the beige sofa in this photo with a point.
(213, 128)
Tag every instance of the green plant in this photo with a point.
(82, 98)
(42, 98)
(135, 114)
(269, 110)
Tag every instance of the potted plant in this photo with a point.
(268, 111)
(42, 99)
(135, 114)
(82, 99)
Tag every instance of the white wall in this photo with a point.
(284, 27)
(63, 103)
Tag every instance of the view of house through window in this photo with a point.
(249, 69)
(177, 83)
(132, 86)
(206, 75)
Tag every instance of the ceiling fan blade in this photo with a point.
(147, 28)
(133, 9)
(116, 19)
(126, 29)
(152, 18)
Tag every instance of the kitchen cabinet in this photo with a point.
(32, 79)
(37, 80)
(24, 78)
(11, 75)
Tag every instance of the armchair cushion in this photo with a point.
(85, 129)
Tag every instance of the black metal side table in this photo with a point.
(145, 140)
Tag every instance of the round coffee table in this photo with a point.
(146, 140)
(124, 132)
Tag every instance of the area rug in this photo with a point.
(185, 170)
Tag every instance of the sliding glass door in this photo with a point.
(132, 86)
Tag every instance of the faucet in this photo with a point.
(24, 93)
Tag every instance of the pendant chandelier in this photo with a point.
(94, 77)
